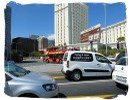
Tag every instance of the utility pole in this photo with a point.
(105, 26)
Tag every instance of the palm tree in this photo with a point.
(120, 39)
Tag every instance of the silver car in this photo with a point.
(23, 83)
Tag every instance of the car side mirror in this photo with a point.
(109, 62)
(7, 78)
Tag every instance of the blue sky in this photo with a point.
(39, 18)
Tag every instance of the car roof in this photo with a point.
(82, 52)
(124, 57)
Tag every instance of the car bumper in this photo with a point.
(66, 73)
(119, 78)
(49, 94)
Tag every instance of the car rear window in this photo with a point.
(83, 57)
(65, 56)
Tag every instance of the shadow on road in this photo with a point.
(90, 78)
(28, 62)
(60, 95)
(95, 78)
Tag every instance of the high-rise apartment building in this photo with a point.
(42, 43)
(7, 13)
(70, 20)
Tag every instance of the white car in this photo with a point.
(78, 64)
(23, 83)
(119, 74)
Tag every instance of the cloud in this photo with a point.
(51, 37)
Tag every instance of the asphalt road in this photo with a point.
(92, 87)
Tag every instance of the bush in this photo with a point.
(36, 54)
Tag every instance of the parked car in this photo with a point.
(23, 83)
(119, 55)
(78, 64)
(119, 74)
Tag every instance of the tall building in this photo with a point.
(34, 37)
(70, 20)
(42, 43)
(51, 43)
(7, 13)
(113, 32)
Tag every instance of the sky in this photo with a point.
(38, 19)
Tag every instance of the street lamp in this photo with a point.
(91, 45)
(105, 26)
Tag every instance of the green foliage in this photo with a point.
(110, 51)
(120, 39)
(102, 50)
(36, 54)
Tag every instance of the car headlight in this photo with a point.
(49, 87)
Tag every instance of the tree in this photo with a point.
(102, 49)
(120, 39)
(36, 54)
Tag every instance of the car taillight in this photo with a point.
(67, 64)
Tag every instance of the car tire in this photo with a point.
(76, 75)
(30, 95)
(119, 85)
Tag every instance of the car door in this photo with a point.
(104, 67)
(121, 65)
(89, 64)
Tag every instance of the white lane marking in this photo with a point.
(83, 82)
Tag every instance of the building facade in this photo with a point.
(98, 36)
(91, 34)
(70, 20)
(24, 45)
(7, 13)
(112, 33)
(34, 36)
(42, 43)
(86, 46)
(51, 43)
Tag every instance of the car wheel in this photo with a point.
(119, 85)
(30, 95)
(76, 75)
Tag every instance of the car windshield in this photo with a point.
(15, 70)
(122, 61)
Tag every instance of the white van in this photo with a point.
(78, 64)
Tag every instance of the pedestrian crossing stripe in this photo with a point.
(58, 77)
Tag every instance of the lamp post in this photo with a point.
(105, 26)
(91, 45)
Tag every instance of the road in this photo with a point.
(93, 87)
